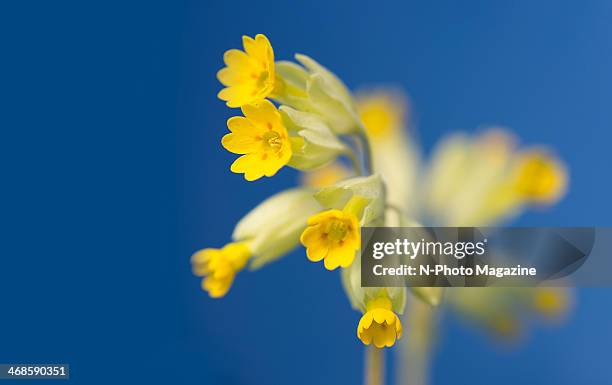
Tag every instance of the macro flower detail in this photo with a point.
(261, 138)
(249, 75)
(332, 236)
(379, 325)
(218, 267)
(540, 178)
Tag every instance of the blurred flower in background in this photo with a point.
(482, 179)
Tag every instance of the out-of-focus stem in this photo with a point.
(367, 151)
(416, 345)
(374, 366)
(356, 163)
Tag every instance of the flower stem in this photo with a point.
(356, 163)
(366, 148)
(374, 366)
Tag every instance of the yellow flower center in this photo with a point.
(262, 79)
(381, 114)
(540, 178)
(272, 140)
(336, 229)
(332, 236)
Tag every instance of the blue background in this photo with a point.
(112, 175)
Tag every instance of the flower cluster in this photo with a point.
(301, 115)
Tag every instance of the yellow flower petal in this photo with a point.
(236, 96)
(263, 114)
(249, 166)
(250, 75)
(229, 77)
(237, 60)
(261, 138)
(219, 267)
(379, 325)
(332, 235)
(316, 254)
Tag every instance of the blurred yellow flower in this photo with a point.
(219, 267)
(325, 176)
(551, 301)
(382, 113)
(505, 326)
(249, 76)
(261, 138)
(379, 324)
(334, 235)
(539, 177)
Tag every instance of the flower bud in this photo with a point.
(273, 228)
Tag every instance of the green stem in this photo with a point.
(374, 366)
(367, 151)
(417, 345)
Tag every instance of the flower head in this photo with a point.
(219, 267)
(382, 113)
(261, 138)
(551, 301)
(539, 177)
(325, 176)
(379, 324)
(249, 76)
(333, 235)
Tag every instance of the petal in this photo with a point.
(264, 44)
(217, 288)
(398, 329)
(365, 336)
(315, 254)
(389, 336)
(366, 320)
(378, 335)
(271, 164)
(250, 165)
(239, 125)
(230, 76)
(263, 113)
(240, 144)
(311, 236)
(323, 216)
(253, 49)
(238, 60)
(344, 254)
(379, 315)
(331, 262)
(237, 96)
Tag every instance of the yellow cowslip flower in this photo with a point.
(219, 266)
(550, 301)
(249, 75)
(379, 324)
(334, 235)
(261, 138)
(382, 113)
(539, 177)
(325, 176)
